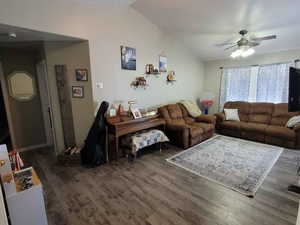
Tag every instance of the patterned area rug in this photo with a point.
(238, 164)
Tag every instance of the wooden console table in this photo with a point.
(119, 126)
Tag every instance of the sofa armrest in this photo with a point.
(296, 128)
(206, 119)
(178, 134)
(220, 117)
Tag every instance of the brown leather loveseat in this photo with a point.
(263, 122)
(182, 129)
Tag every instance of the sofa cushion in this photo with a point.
(261, 112)
(243, 109)
(281, 132)
(174, 111)
(293, 121)
(231, 125)
(191, 107)
(184, 112)
(232, 114)
(253, 127)
(281, 115)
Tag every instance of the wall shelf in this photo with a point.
(171, 81)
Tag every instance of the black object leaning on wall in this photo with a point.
(94, 151)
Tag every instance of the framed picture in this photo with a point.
(128, 58)
(81, 74)
(136, 113)
(77, 91)
(163, 62)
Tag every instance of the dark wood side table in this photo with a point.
(119, 126)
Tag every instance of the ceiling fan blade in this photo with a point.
(224, 44)
(253, 44)
(231, 47)
(264, 38)
(230, 41)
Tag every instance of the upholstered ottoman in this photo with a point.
(135, 142)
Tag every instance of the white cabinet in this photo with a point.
(4, 162)
(25, 205)
(3, 216)
(298, 218)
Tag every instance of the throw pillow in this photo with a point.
(191, 107)
(293, 121)
(232, 114)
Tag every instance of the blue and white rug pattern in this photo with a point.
(235, 163)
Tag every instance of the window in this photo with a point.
(273, 83)
(267, 83)
(21, 86)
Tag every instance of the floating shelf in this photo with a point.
(153, 74)
(139, 82)
(139, 86)
(171, 81)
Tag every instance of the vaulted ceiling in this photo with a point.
(202, 24)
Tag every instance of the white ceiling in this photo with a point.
(111, 2)
(202, 24)
(24, 35)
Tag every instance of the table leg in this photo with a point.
(117, 147)
(107, 144)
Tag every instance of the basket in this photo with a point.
(69, 160)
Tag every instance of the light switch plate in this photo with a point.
(99, 85)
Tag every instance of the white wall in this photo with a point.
(106, 28)
(213, 71)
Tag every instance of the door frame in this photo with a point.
(8, 111)
(43, 82)
(7, 108)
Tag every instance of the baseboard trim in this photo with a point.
(29, 148)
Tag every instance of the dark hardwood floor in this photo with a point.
(153, 192)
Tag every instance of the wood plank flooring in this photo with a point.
(150, 191)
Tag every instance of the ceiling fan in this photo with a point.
(245, 44)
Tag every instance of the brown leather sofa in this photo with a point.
(183, 130)
(263, 122)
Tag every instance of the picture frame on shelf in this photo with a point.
(77, 91)
(163, 64)
(112, 112)
(81, 74)
(136, 113)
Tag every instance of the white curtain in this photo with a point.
(266, 83)
(273, 83)
(235, 85)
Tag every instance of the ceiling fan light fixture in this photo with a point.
(248, 52)
(243, 51)
(236, 53)
(12, 35)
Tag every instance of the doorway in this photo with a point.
(4, 130)
(25, 94)
(37, 121)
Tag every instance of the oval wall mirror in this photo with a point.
(21, 86)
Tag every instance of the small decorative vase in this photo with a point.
(206, 111)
